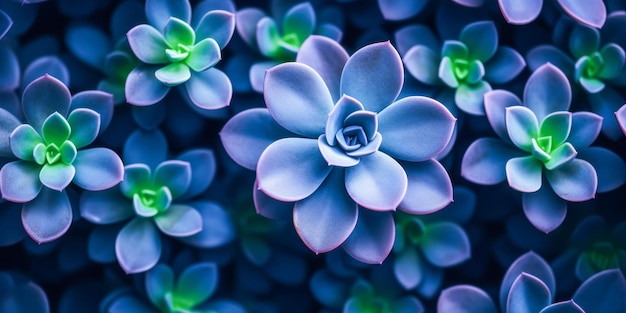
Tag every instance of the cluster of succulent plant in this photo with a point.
(316, 156)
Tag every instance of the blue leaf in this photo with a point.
(602, 292)
(527, 294)
(102, 163)
(465, 299)
(138, 246)
(372, 238)
(48, 216)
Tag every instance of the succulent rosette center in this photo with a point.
(457, 67)
(351, 132)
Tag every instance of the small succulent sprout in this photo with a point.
(174, 53)
(468, 65)
(545, 153)
(51, 155)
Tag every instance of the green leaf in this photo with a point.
(55, 129)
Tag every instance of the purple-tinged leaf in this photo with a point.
(470, 3)
(57, 176)
(365, 186)
(270, 207)
(429, 187)
(481, 39)
(469, 98)
(505, 65)
(485, 159)
(291, 169)
(605, 103)
(105, 207)
(85, 125)
(147, 147)
(335, 155)
(378, 62)
(591, 12)
(148, 44)
(48, 216)
(496, 102)
(522, 126)
(9, 65)
(609, 167)
(531, 264)
(528, 294)
(19, 181)
(547, 90)
(298, 98)
(407, 268)
(372, 238)
(524, 173)
(23, 140)
(43, 97)
(97, 101)
(7, 127)
(217, 227)
(465, 299)
(210, 89)
(415, 128)
(143, 88)
(5, 23)
(218, 25)
(414, 35)
(602, 292)
(423, 63)
(98, 169)
(327, 58)
(544, 209)
(519, 12)
(138, 246)
(159, 12)
(246, 21)
(51, 65)
(204, 55)
(175, 175)
(257, 72)
(445, 244)
(543, 54)
(574, 181)
(325, 219)
(179, 221)
(397, 10)
(563, 307)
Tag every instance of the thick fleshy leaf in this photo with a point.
(545, 210)
(531, 264)
(378, 182)
(128, 303)
(143, 88)
(48, 216)
(57, 176)
(379, 62)
(423, 64)
(204, 54)
(248, 133)
(469, 98)
(609, 166)
(138, 246)
(327, 57)
(268, 40)
(325, 219)
(337, 118)
(105, 207)
(85, 124)
(396, 10)
(257, 74)
(334, 155)
(197, 283)
(528, 294)
(179, 221)
(574, 181)
(93, 53)
(159, 281)
(246, 21)
(413, 35)
(547, 90)
(522, 126)
(591, 85)
(9, 64)
(24, 139)
(19, 181)
(298, 98)
(614, 58)
(543, 54)
(148, 44)
(175, 175)
(485, 159)
(505, 65)
(51, 65)
(203, 168)
(584, 41)
(210, 89)
(43, 97)
(445, 244)
(270, 207)
(158, 12)
(620, 115)
(5, 23)
(605, 103)
(585, 129)
(147, 147)
(173, 74)
(520, 12)
(300, 20)
(556, 125)
(8, 126)
(465, 299)
(291, 169)
(97, 101)
(602, 292)
(415, 128)
(445, 72)
(561, 155)
(372, 238)
(591, 13)
(563, 307)
(429, 187)
(218, 25)
(496, 102)
(98, 169)
(178, 33)
(524, 173)
(218, 228)
(407, 268)
(55, 129)
(481, 39)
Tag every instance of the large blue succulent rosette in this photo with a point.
(51, 152)
(336, 143)
(544, 150)
(177, 51)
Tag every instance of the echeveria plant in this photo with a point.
(343, 149)
(468, 65)
(544, 149)
(51, 155)
(150, 195)
(279, 38)
(176, 54)
(191, 291)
